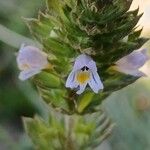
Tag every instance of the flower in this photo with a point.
(146, 69)
(31, 61)
(84, 72)
(132, 63)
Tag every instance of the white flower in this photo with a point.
(132, 63)
(84, 72)
(31, 61)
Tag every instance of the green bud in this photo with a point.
(47, 79)
(84, 101)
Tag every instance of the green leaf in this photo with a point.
(47, 79)
(135, 35)
(55, 98)
(58, 48)
(84, 101)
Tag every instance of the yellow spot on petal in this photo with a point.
(82, 77)
(49, 66)
(25, 66)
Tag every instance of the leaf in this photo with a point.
(57, 47)
(85, 100)
(55, 98)
(47, 79)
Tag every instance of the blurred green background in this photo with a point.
(16, 99)
(129, 107)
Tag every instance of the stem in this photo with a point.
(14, 39)
(69, 121)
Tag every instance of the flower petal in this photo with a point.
(144, 51)
(31, 56)
(71, 80)
(81, 61)
(95, 83)
(146, 69)
(92, 66)
(139, 74)
(131, 63)
(81, 89)
(135, 60)
(24, 75)
(133, 72)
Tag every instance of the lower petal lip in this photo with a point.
(95, 82)
(81, 88)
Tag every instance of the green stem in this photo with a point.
(70, 145)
